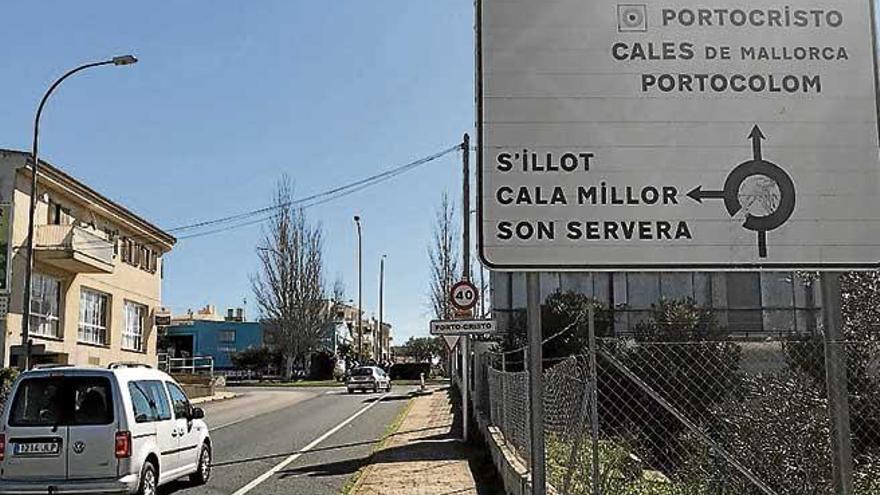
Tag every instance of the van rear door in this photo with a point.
(36, 436)
(91, 427)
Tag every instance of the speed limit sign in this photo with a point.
(463, 295)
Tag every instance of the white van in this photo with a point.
(126, 429)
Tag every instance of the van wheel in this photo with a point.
(149, 480)
(203, 472)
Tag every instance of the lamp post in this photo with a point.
(379, 334)
(35, 166)
(357, 221)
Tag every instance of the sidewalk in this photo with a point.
(424, 457)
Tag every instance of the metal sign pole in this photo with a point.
(465, 269)
(536, 382)
(836, 383)
(464, 388)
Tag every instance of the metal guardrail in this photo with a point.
(195, 365)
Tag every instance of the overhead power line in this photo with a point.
(259, 215)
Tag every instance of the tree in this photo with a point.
(443, 255)
(424, 349)
(255, 359)
(290, 288)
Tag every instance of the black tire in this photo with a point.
(203, 470)
(389, 387)
(149, 482)
(350, 391)
(376, 388)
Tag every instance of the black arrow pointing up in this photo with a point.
(756, 136)
(698, 194)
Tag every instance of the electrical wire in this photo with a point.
(259, 215)
(334, 193)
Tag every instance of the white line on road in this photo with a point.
(281, 465)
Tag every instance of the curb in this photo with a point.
(214, 398)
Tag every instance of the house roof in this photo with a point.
(55, 175)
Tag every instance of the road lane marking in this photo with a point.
(281, 465)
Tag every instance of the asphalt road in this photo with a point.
(258, 439)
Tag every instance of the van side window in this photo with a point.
(178, 401)
(149, 401)
(144, 408)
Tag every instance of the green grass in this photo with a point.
(391, 429)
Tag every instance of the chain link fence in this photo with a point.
(700, 417)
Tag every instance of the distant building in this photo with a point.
(747, 304)
(97, 279)
(376, 343)
(206, 333)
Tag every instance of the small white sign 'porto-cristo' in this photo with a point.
(463, 327)
(677, 135)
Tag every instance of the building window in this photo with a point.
(139, 255)
(744, 310)
(133, 333)
(45, 301)
(226, 336)
(93, 307)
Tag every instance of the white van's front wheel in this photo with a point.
(203, 473)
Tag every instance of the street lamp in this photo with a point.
(35, 166)
(357, 221)
(379, 335)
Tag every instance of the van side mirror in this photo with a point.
(197, 413)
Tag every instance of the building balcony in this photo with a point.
(73, 249)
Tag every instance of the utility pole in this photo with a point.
(359, 353)
(379, 334)
(466, 273)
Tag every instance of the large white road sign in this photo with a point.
(677, 135)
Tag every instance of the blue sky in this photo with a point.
(228, 96)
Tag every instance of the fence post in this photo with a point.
(836, 383)
(594, 398)
(536, 382)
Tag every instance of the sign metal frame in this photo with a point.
(587, 265)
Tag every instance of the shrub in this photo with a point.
(620, 473)
(560, 311)
(410, 371)
(321, 366)
(679, 355)
(7, 377)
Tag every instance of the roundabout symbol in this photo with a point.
(782, 207)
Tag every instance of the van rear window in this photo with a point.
(62, 401)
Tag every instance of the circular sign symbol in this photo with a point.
(463, 295)
(632, 17)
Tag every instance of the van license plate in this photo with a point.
(38, 449)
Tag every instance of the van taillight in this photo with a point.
(123, 444)
(2, 446)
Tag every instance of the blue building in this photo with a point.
(219, 339)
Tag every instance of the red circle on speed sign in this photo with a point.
(463, 295)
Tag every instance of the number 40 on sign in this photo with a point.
(463, 295)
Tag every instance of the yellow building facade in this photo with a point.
(97, 283)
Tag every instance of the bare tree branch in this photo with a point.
(289, 288)
(443, 255)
